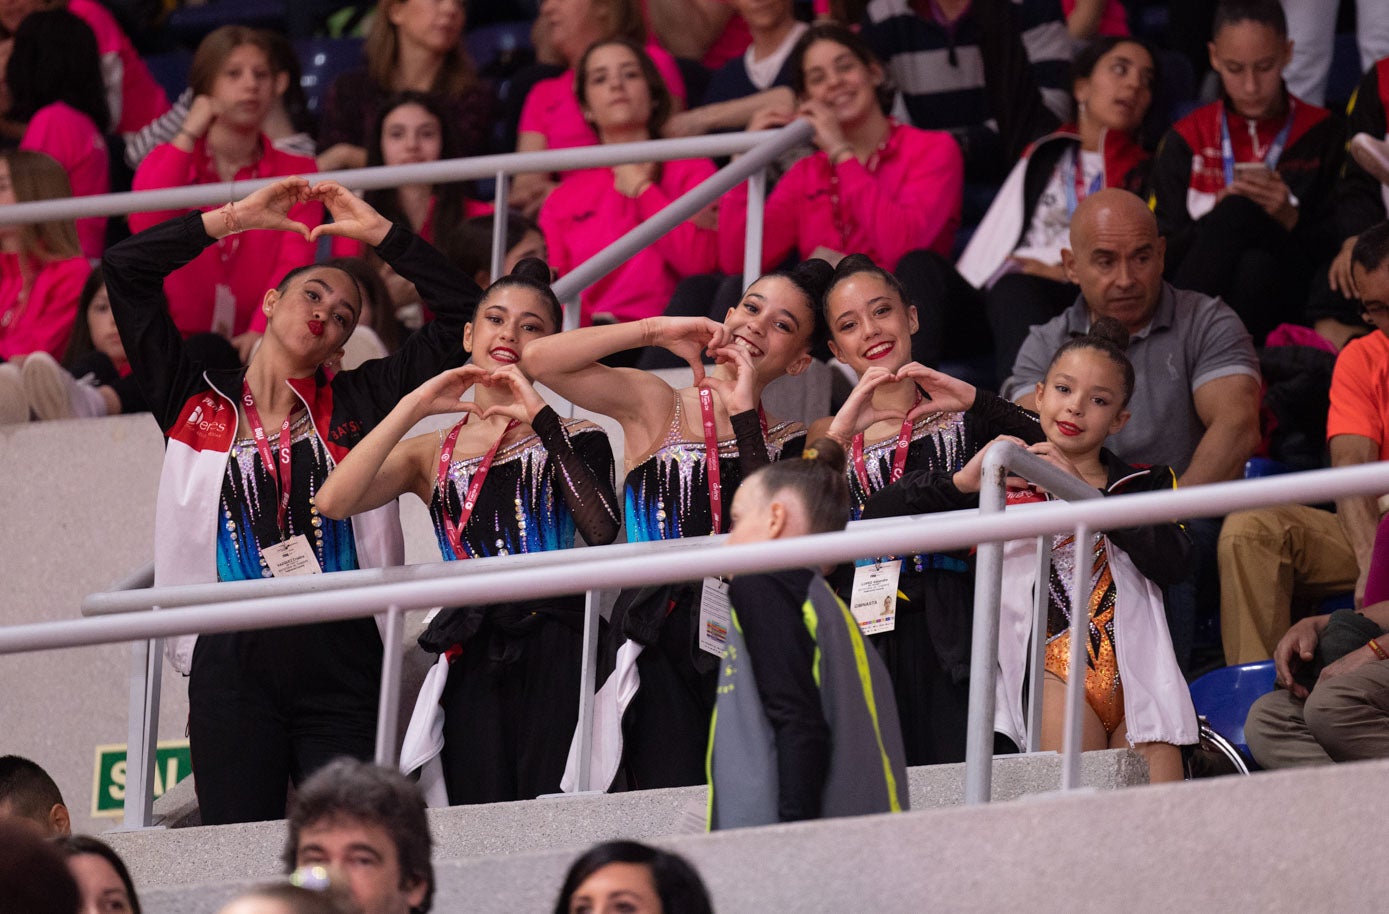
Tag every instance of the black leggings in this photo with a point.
(665, 731)
(269, 707)
(510, 706)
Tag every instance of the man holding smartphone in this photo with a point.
(1242, 188)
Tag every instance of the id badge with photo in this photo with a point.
(874, 598)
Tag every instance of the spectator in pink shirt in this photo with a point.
(550, 118)
(223, 139)
(622, 95)
(413, 128)
(55, 87)
(41, 266)
(133, 97)
(874, 186)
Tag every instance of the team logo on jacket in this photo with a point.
(205, 424)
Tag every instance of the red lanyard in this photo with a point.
(899, 453)
(841, 222)
(711, 458)
(454, 529)
(711, 454)
(281, 471)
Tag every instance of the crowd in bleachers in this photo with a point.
(357, 842)
(1167, 262)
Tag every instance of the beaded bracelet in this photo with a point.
(1378, 651)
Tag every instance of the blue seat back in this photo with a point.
(170, 70)
(323, 60)
(1224, 697)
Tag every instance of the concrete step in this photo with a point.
(1292, 841)
(210, 854)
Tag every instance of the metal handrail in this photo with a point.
(762, 148)
(443, 171)
(713, 559)
(121, 600)
(581, 573)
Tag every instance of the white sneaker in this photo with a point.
(53, 393)
(1372, 155)
(14, 404)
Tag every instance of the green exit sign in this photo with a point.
(172, 764)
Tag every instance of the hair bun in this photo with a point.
(826, 451)
(532, 269)
(855, 263)
(1110, 331)
(813, 276)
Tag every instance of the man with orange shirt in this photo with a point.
(1271, 555)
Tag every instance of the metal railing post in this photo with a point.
(988, 588)
(752, 240)
(1079, 662)
(1036, 667)
(388, 711)
(142, 734)
(499, 219)
(571, 311)
(588, 676)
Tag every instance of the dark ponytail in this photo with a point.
(818, 479)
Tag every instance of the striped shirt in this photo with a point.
(940, 68)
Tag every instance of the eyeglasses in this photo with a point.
(312, 877)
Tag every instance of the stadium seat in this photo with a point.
(170, 70)
(1259, 467)
(191, 24)
(1223, 697)
(490, 44)
(323, 60)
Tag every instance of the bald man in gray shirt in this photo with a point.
(1196, 403)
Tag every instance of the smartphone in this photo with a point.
(1250, 169)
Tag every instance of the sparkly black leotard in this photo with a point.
(510, 700)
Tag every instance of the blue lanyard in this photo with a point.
(1073, 180)
(1275, 149)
